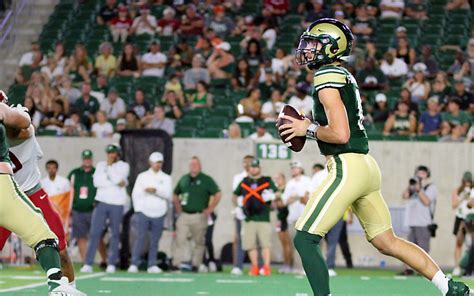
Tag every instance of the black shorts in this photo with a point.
(457, 224)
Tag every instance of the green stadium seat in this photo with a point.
(218, 121)
(211, 133)
(246, 128)
(398, 138)
(427, 138)
(185, 132)
(198, 112)
(189, 121)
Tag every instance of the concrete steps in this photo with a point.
(35, 17)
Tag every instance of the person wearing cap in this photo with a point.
(111, 179)
(151, 194)
(417, 9)
(196, 195)
(259, 192)
(301, 101)
(219, 63)
(393, 67)
(391, 9)
(154, 61)
(454, 116)
(380, 111)
(465, 96)
(119, 127)
(106, 62)
(168, 24)
(107, 12)
(418, 85)
(460, 198)
(430, 120)
(261, 133)
(293, 195)
(113, 105)
(420, 196)
(144, 23)
(121, 24)
(84, 192)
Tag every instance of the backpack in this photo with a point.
(253, 203)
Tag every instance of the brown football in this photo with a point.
(297, 143)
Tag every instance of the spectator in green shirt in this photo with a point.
(258, 192)
(83, 201)
(454, 116)
(87, 105)
(195, 197)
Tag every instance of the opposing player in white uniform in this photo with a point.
(25, 153)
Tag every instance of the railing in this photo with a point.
(19, 11)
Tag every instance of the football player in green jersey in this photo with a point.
(354, 176)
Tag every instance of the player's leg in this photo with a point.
(324, 209)
(19, 215)
(56, 225)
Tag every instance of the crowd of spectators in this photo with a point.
(74, 94)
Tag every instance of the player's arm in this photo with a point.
(336, 131)
(14, 117)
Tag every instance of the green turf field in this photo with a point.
(26, 281)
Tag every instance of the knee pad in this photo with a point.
(47, 243)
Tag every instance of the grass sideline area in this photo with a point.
(356, 282)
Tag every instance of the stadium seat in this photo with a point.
(185, 132)
(216, 122)
(211, 133)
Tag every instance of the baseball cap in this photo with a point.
(224, 46)
(467, 176)
(87, 154)
(255, 163)
(420, 67)
(433, 99)
(111, 148)
(121, 121)
(401, 29)
(296, 164)
(380, 98)
(156, 157)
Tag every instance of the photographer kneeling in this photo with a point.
(421, 195)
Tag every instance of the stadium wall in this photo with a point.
(222, 159)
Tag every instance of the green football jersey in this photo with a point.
(338, 77)
(3, 144)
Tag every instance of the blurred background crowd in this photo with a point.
(103, 66)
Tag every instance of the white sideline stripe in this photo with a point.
(27, 277)
(82, 277)
(365, 278)
(400, 277)
(225, 281)
(161, 280)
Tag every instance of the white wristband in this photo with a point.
(312, 130)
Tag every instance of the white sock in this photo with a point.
(441, 282)
(72, 284)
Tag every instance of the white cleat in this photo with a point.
(154, 269)
(202, 268)
(332, 272)
(110, 269)
(133, 269)
(86, 269)
(236, 271)
(62, 288)
(212, 266)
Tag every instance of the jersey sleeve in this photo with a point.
(238, 189)
(329, 77)
(177, 189)
(213, 187)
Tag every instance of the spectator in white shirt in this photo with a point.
(261, 134)
(301, 101)
(292, 197)
(52, 71)
(151, 194)
(154, 62)
(114, 107)
(111, 180)
(159, 121)
(392, 8)
(392, 67)
(144, 23)
(319, 174)
(238, 254)
(27, 58)
(272, 108)
(102, 128)
(54, 184)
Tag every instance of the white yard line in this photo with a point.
(231, 281)
(82, 277)
(160, 280)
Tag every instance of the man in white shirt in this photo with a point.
(261, 134)
(144, 23)
(27, 58)
(301, 101)
(151, 194)
(54, 184)
(113, 106)
(154, 62)
(292, 197)
(111, 180)
(391, 8)
(237, 251)
(393, 67)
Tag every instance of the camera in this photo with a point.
(412, 185)
(432, 228)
